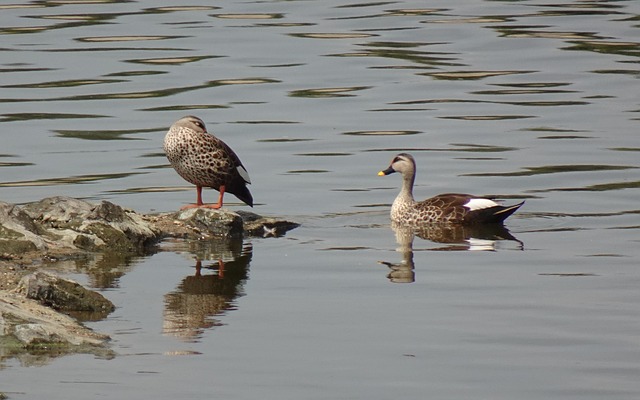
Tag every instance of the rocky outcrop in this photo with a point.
(37, 234)
(67, 226)
(201, 223)
(31, 318)
(62, 294)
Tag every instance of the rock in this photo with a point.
(62, 294)
(67, 226)
(29, 314)
(64, 228)
(257, 225)
(18, 232)
(203, 223)
(34, 324)
(210, 222)
(77, 224)
(31, 334)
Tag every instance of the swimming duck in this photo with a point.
(453, 208)
(205, 161)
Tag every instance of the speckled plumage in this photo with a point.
(452, 208)
(205, 161)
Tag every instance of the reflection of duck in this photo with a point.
(402, 272)
(452, 208)
(191, 308)
(205, 161)
(457, 237)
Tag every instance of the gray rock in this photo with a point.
(32, 334)
(80, 225)
(203, 223)
(210, 222)
(34, 324)
(62, 294)
(68, 226)
(63, 227)
(257, 225)
(18, 232)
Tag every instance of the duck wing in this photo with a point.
(239, 177)
(462, 208)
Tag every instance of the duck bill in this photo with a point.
(386, 172)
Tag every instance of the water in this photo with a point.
(523, 100)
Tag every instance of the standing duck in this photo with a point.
(452, 208)
(205, 161)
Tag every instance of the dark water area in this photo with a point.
(521, 100)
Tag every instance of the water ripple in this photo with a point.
(554, 169)
(68, 180)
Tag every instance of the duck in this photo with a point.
(449, 208)
(204, 160)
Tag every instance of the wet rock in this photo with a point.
(62, 294)
(32, 324)
(203, 223)
(210, 222)
(257, 225)
(31, 334)
(64, 228)
(80, 225)
(29, 314)
(64, 225)
(18, 232)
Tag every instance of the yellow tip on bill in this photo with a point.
(381, 173)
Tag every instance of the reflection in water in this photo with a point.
(13, 117)
(170, 60)
(472, 75)
(405, 51)
(191, 308)
(455, 238)
(113, 134)
(402, 272)
(68, 180)
(553, 169)
(328, 92)
(64, 83)
(249, 16)
(332, 35)
(12, 164)
(105, 270)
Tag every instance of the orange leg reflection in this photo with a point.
(220, 268)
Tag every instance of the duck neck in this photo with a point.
(406, 194)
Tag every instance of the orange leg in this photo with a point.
(217, 206)
(200, 203)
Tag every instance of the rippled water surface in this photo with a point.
(524, 100)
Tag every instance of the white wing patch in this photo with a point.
(479, 204)
(243, 173)
(481, 244)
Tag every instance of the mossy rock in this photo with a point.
(62, 294)
(16, 247)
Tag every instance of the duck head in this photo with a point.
(403, 163)
(191, 122)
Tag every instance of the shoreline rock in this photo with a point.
(65, 227)
(38, 234)
(62, 294)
